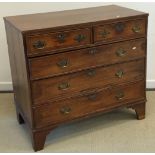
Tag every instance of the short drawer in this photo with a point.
(58, 64)
(93, 102)
(120, 30)
(68, 85)
(46, 42)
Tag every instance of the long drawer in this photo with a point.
(59, 64)
(68, 85)
(97, 101)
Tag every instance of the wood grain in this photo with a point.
(48, 89)
(106, 98)
(63, 39)
(47, 66)
(120, 30)
(18, 64)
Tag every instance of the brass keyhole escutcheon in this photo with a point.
(61, 38)
(91, 72)
(104, 33)
(93, 51)
(79, 38)
(119, 27)
(92, 97)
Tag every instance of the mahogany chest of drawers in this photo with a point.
(75, 64)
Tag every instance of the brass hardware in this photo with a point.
(63, 63)
(93, 51)
(104, 33)
(39, 44)
(119, 95)
(61, 38)
(91, 72)
(119, 27)
(80, 38)
(63, 86)
(136, 29)
(92, 96)
(120, 52)
(119, 74)
(65, 110)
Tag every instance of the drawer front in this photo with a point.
(107, 98)
(58, 64)
(120, 30)
(43, 43)
(71, 84)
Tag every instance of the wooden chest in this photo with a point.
(71, 65)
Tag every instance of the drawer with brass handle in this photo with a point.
(120, 30)
(46, 42)
(58, 64)
(70, 84)
(75, 107)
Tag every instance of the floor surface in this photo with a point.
(117, 131)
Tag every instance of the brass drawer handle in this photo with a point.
(119, 74)
(79, 38)
(104, 33)
(63, 86)
(65, 110)
(119, 27)
(120, 52)
(63, 63)
(39, 44)
(91, 72)
(120, 95)
(61, 38)
(136, 29)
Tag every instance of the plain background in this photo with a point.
(11, 9)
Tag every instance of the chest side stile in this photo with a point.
(19, 71)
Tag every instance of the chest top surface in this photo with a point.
(72, 17)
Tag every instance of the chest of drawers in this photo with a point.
(76, 64)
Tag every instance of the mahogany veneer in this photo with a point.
(76, 64)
